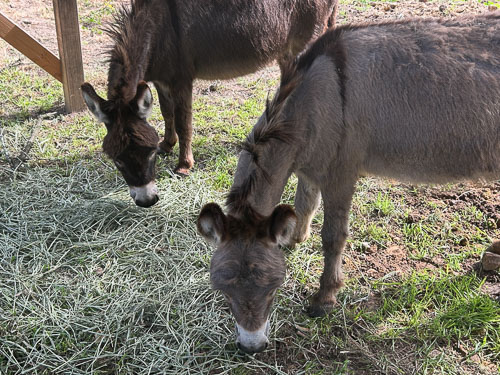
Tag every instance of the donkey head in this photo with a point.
(131, 142)
(248, 266)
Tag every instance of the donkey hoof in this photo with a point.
(165, 147)
(320, 307)
(296, 240)
(318, 311)
(181, 171)
(300, 239)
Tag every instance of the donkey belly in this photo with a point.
(227, 69)
(433, 166)
(436, 152)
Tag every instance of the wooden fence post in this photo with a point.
(70, 52)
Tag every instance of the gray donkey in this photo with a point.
(172, 42)
(415, 100)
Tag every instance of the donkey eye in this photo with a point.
(152, 156)
(118, 164)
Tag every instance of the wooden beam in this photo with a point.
(29, 47)
(68, 38)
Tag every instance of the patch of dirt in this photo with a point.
(385, 11)
(375, 262)
(486, 199)
(394, 260)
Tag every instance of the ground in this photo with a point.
(90, 283)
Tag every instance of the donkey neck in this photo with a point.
(134, 36)
(261, 177)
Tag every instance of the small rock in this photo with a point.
(99, 271)
(442, 8)
(395, 251)
(368, 248)
(490, 261)
(212, 88)
(491, 223)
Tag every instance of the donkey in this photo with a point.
(415, 100)
(173, 42)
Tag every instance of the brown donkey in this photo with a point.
(172, 42)
(414, 100)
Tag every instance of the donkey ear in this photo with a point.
(211, 223)
(282, 224)
(94, 102)
(143, 100)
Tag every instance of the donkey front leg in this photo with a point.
(333, 16)
(337, 201)
(184, 127)
(307, 199)
(167, 111)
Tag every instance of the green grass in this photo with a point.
(439, 307)
(92, 284)
(23, 91)
(93, 19)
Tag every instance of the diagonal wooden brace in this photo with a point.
(29, 47)
(68, 69)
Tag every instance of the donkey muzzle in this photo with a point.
(252, 342)
(146, 195)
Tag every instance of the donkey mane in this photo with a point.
(272, 128)
(132, 34)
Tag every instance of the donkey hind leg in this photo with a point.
(307, 201)
(167, 111)
(183, 126)
(337, 201)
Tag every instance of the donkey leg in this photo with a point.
(337, 201)
(284, 61)
(183, 126)
(333, 16)
(167, 110)
(307, 199)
